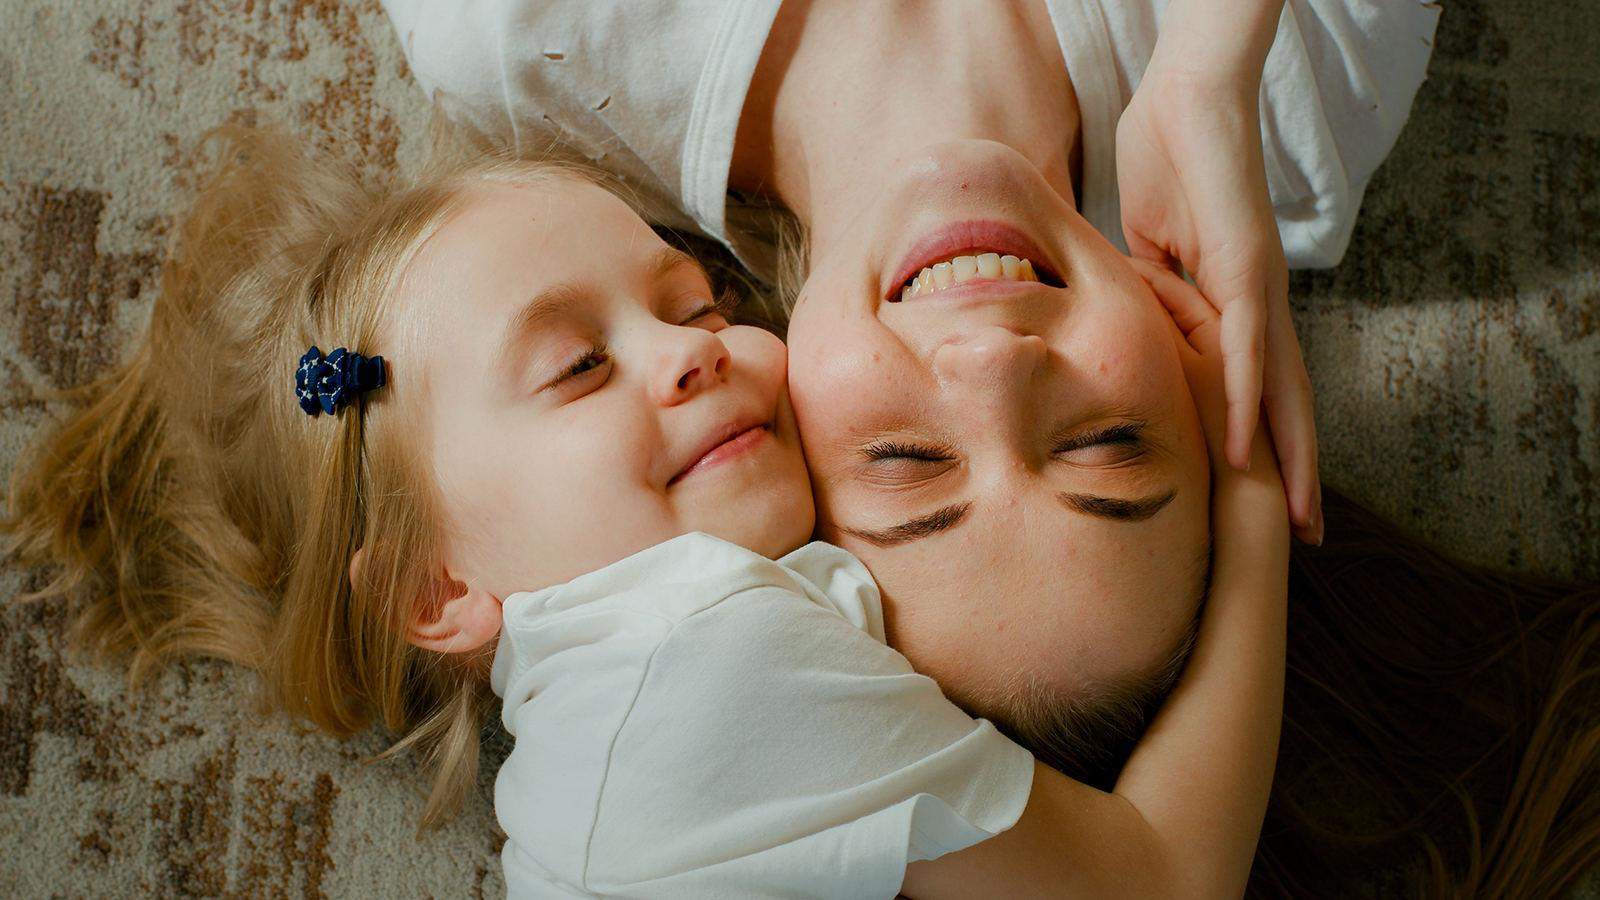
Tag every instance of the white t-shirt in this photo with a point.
(698, 721)
(652, 92)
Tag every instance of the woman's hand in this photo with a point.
(1194, 195)
(1203, 359)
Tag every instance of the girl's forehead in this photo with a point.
(509, 246)
(565, 205)
(559, 225)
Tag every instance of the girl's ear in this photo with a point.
(467, 617)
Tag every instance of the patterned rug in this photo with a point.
(1455, 355)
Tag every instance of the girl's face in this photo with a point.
(585, 399)
(1019, 463)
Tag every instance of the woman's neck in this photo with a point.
(848, 89)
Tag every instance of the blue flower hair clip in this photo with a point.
(324, 385)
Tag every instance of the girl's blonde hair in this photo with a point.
(200, 511)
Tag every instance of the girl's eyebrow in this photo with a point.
(552, 303)
(563, 298)
(670, 259)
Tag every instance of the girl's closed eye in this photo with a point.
(591, 365)
(716, 313)
(588, 370)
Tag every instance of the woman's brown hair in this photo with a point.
(1441, 736)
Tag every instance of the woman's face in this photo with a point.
(1018, 463)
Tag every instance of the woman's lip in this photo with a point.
(731, 443)
(970, 238)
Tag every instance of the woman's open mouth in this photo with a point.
(988, 266)
(970, 251)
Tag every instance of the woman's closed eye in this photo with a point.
(897, 462)
(1103, 447)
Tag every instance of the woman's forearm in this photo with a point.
(1203, 772)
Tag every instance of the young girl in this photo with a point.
(525, 389)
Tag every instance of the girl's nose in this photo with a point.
(690, 360)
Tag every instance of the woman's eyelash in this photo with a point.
(894, 450)
(1127, 433)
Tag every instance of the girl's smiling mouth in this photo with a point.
(732, 443)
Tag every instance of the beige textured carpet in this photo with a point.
(1455, 354)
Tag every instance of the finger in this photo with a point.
(1182, 300)
(1291, 416)
(1291, 420)
(1204, 375)
(1145, 251)
(1243, 334)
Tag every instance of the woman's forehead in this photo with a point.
(1025, 588)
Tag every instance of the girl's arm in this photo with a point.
(1193, 189)
(1186, 812)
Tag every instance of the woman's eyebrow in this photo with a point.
(948, 517)
(1116, 509)
(942, 519)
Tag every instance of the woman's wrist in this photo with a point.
(1215, 46)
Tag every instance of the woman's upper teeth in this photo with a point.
(965, 268)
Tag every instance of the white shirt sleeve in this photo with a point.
(651, 91)
(746, 742)
(1336, 89)
(1335, 92)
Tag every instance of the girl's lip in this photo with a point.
(730, 443)
(971, 238)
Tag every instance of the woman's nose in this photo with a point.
(989, 375)
(993, 361)
(689, 361)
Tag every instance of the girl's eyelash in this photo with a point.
(895, 450)
(1127, 433)
(723, 305)
(596, 357)
(599, 354)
